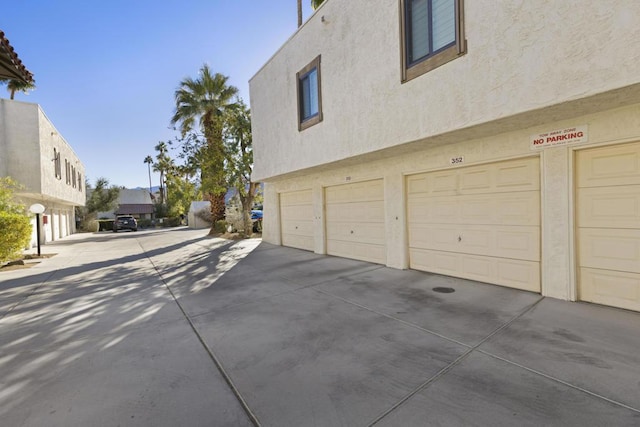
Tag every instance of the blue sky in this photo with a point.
(106, 71)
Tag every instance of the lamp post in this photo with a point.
(37, 209)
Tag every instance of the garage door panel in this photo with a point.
(609, 207)
(296, 219)
(434, 183)
(357, 250)
(303, 228)
(508, 242)
(615, 288)
(356, 192)
(608, 219)
(474, 180)
(517, 274)
(521, 208)
(297, 212)
(487, 228)
(355, 221)
(357, 232)
(302, 197)
(509, 176)
(609, 166)
(371, 211)
(610, 249)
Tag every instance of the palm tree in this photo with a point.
(14, 86)
(299, 13)
(149, 161)
(206, 100)
(162, 165)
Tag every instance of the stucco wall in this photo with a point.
(27, 141)
(522, 56)
(557, 171)
(58, 188)
(19, 136)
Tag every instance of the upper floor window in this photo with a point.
(56, 164)
(432, 33)
(309, 95)
(67, 170)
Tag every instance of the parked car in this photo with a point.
(125, 222)
(256, 218)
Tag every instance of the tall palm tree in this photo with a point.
(207, 100)
(14, 86)
(149, 161)
(299, 13)
(162, 165)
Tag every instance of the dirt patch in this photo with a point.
(234, 236)
(27, 261)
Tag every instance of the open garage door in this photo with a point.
(479, 222)
(608, 225)
(355, 221)
(296, 216)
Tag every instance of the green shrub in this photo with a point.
(105, 225)
(171, 222)
(144, 223)
(15, 235)
(89, 225)
(220, 226)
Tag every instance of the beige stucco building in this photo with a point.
(33, 153)
(501, 143)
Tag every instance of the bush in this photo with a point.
(220, 226)
(171, 222)
(105, 225)
(15, 235)
(89, 226)
(145, 223)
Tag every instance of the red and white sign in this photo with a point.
(566, 136)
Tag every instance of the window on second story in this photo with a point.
(56, 164)
(432, 35)
(309, 95)
(67, 171)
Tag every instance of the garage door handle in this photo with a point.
(459, 238)
(351, 231)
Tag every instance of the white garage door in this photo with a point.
(296, 216)
(355, 221)
(608, 218)
(479, 222)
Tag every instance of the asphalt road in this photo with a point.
(173, 328)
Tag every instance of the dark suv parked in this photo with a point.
(125, 222)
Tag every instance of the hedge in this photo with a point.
(15, 235)
(105, 224)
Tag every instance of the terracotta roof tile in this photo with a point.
(11, 66)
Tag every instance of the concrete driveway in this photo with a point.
(172, 328)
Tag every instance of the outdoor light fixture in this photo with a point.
(37, 209)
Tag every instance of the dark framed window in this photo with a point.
(309, 95)
(432, 34)
(56, 164)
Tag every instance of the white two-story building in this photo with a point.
(497, 141)
(34, 154)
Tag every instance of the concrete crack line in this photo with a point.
(285, 293)
(558, 380)
(447, 368)
(216, 361)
